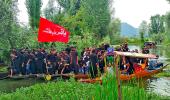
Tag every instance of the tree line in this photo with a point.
(157, 30)
(89, 21)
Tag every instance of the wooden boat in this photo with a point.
(125, 77)
(86, 78)
(150, 44)
(141, 74)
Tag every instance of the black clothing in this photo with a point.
(131, 68)
(73, 63)
(39, 62)
(101, 65)
(68, 49)
(74, 56)
(93, 66)
(32, 64)
(66, 70)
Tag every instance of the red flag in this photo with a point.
(50, 32)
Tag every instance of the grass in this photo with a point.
(72, 90)
(3, 69)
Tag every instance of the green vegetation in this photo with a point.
(34, 11)
(163, 74)
(143, 30)
(71, 90)
(90, 23)
(3, 69)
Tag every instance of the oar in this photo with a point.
(166, 65)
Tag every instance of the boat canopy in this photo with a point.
(138, 55)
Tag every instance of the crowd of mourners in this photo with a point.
(91, 60)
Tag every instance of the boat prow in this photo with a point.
(141, 74)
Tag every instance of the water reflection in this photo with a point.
(159, 86)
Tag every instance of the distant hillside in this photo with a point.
(128, 30)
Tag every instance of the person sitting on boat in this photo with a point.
(124, 65)
(154, 63)
(125, 47)
(143, 62)
(130, 69)
(66, 69)
(145, 50)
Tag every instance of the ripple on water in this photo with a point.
(159, 86)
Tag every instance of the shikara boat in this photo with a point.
(150, 44)
(141, 74)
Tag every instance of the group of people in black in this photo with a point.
(41, 61)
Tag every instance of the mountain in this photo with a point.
(128, 30)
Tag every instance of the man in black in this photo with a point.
(125, 47)
(25, 62)
(74, 60)
(93, 64)
(68, 49)
(145, 50)
(32, 63)
(39, 61)
(52, 60)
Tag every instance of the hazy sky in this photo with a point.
(23, 16)
(130, 11)
(134, 11)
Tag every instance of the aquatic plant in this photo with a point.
(72, 90)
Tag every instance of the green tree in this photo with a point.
(34, 11)
(114, 30)
(51, 10)
(168, 25)
(8, 21)
(97, 16)
(157, 28)
(70, 6)
(143, 29)
(157, 24)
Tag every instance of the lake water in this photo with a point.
(157, 85)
